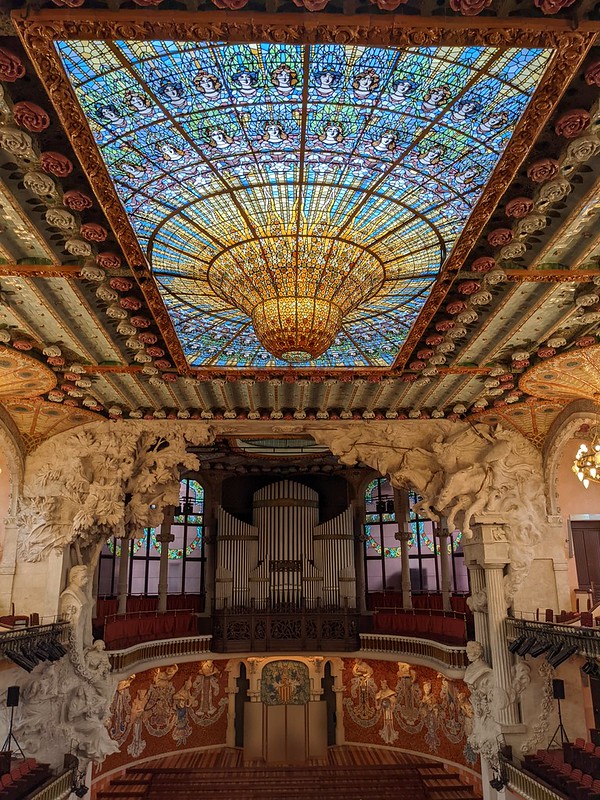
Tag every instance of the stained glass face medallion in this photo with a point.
(296, 203)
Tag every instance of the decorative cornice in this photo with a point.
(38, 31)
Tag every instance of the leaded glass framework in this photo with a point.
(240, 164)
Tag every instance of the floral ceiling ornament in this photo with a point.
(572, 123)
(550, 7)
(11, 66)
(592, 74)
(519, 207)
(543, 170)
(30, 116)
(470, 8)
(56, 164)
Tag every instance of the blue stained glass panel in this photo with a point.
(210, 145)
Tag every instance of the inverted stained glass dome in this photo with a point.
(296, 202)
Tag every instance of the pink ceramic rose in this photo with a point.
(572, 123)
(30, 116)
(544, 169)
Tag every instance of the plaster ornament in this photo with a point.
(108, 260)
(583, 148)
(126, 329)
(512, 397)
(446, 347)
(11, 66)
(61, 218)
(499, 237)
(468, 316)
(553, 192)
(419, 383)
(481, 402)
(320, 415)
(40, 184)
(206, 414)
(76, 200)
(489, 699)
(77, 369)
(438, 359)
(149, 369)
(136, 413)
(496, 276)
(55, 396)
(73, 392)
(107, 294)
(155, 380)
(183, 413)
(30, 116)
(483, 264)
(414, 413)
(437, 413)
(56, 164)
(468, 287)
(134, 344)
(572, 122)
(89, 401)
(160, 413)
(77, 247)
(519, 207)
(592, 74)
(520, 355)
(92, 232)
(588, 318)
(543, 170)
(531, 224)
(556, 342)
(481, 298)
(587, 299)
(456, 333)
(491, 383)
(429, 372)
(460, 470)
(52, 350)
(370, 414)
(18, 143)
(495, 392)
(91, 273)
(391, 414)
(512, 250)
(115, 311)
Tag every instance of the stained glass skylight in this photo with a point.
(240, 164)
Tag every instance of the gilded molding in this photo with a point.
(38, 30)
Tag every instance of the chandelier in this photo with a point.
(296, 289)
(587, 461)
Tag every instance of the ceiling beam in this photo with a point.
(40, 270)
(551, 275)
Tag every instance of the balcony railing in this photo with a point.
(587, 640)
(526, 785)
(132, 657)
(454, 657)
(58, 788)
(265, 629)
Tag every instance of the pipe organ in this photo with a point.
(285, 559)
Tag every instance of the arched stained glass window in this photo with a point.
(382, 548)
(186, 552)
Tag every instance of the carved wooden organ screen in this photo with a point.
(285, 559)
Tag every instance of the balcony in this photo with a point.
(586, 640)
(285, 629)
(526, 785)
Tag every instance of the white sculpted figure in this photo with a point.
(460, 470)
(489, 700)
(75, 606)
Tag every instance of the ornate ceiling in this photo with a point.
(429, 188)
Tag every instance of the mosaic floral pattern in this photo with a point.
(214, 146)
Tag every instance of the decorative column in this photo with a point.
(445, 539)
(165, 538)
(212, 495)
(359, 555)
(488, 549)
(477, 602)
(123, 583)
(404, 535)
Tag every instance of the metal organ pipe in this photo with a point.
(285, 556)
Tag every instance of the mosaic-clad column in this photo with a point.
(404, 534)
(123, 583)
(165, 538)
(359, 555)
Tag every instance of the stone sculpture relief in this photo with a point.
(114, 479)
(489, 699)
(460, 471)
